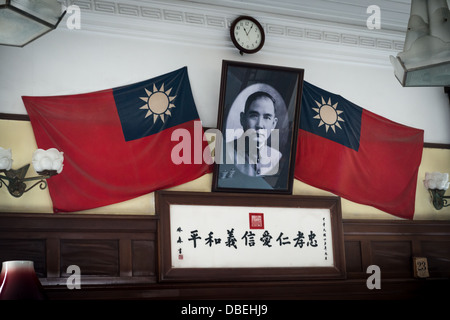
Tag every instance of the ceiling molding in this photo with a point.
(206, 23)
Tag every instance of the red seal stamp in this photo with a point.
(256, 220)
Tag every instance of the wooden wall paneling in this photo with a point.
(125, 254)
(353, 256)
(24, 248)
(416, 248)
(144, 258)
(438, 257)
(393, 256)
(392, 245)
(101, 245)
(366, 254)
(53, 258)
(119, 259)
(95, 257)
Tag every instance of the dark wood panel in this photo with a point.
(393, 257)
(360, 229)
(101, 245)
(25, 249)
(118, 256)
(438, 257)
(392, 245)
(72, 222)
(350, 289)
(353, 256)
(144, 258)
(13, 116)
(94, 257)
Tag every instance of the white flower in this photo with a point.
(50, 159)
(5, 159)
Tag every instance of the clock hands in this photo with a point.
(247, 32)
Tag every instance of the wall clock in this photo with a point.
(247, 34)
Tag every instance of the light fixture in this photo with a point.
(22, 21)
(437, 183)
(18, 281)
(425, 60)
(46, 163)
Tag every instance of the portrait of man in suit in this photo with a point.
(251, 153)
(258, 113)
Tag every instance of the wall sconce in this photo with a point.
(46, 163)
(23, 21)
(437, 183)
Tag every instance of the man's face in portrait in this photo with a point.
(259, 116)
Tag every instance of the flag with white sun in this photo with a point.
(150, 106)
(330, 116)
(354, 153)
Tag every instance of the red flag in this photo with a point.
(117, 143)
(356, 154)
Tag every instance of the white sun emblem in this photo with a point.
(328, 115)
(158, 103)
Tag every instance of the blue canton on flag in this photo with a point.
(150, 106)
(330, 116)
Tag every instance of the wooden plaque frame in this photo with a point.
(168, 273)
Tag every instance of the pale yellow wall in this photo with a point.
(18, 135)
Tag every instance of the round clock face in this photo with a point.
(247, 34)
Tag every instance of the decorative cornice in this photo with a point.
(198, 23)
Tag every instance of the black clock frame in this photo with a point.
(236, 43)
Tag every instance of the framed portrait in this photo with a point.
(259, 110)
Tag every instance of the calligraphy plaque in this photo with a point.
(222, 236)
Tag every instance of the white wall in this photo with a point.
(76, 61)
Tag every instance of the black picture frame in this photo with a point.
(245, 160)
